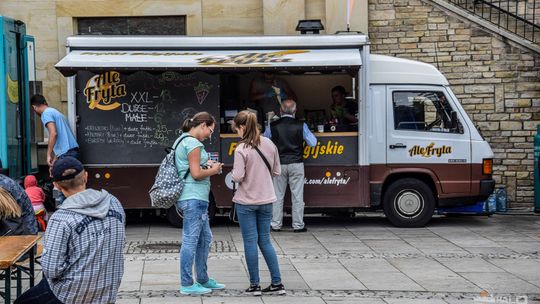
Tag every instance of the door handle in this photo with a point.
(398, 146)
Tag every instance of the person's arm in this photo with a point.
(51, 128)
(198, 173)
(310, 139)
(54, 258)
(239, 167)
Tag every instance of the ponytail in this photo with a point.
(197, 119)
(252, 135)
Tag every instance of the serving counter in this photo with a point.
(332, 148)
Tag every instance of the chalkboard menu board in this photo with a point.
(130, 118)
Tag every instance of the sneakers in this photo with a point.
(254, 290)
(300, 230)
(195, 289)
(212, 284)
(275, 229)
(278, 289)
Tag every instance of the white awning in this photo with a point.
(304, 60)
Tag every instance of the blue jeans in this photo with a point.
(41, 293)
(196, 240)
(255, 226)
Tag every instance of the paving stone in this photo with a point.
(500, 282)
(328, 275)
(528, 270)
(469, 265)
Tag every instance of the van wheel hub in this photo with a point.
(409, 203)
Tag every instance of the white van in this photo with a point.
(413, 149)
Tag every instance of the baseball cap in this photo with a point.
(65, 163)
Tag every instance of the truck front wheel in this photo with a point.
(409, 202)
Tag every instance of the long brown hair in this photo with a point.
(252, 135)
(197, 119)
(8, 206)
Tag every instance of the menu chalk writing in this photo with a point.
(133, 125)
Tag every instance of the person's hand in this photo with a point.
(216, 168)
(50, 160)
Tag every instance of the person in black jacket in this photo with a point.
(288, 134)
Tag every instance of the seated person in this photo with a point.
(342, 109)
(37, 197)
(10, 215)
(83, 259)
(15, 223)
(268, 92)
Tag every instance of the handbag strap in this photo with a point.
(265, 161)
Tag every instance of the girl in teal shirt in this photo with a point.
(196, 234)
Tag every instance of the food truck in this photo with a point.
(18, 144)
(412, 149)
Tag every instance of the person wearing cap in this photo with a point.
(83, 259)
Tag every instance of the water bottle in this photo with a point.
(501, 199)
(492, 203)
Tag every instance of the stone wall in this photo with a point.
(497, 83)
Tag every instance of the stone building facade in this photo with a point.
(497, 82)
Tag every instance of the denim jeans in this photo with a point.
(41, 293)
(196, 240)
(255, 226)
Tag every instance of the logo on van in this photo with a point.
(430, 151)
(249, 58)
(102, 89)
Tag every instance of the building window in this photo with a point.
(149, 25)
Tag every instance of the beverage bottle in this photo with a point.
(501, 199)
(492, 203)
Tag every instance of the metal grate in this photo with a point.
(173, 247)
(520, 17)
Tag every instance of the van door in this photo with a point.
(425, 134)
(14, 95)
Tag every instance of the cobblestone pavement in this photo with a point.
(346, 261)
(360, 260)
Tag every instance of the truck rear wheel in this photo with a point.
(409, 202)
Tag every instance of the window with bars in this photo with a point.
(147, 25)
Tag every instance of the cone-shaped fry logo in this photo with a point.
(250, 58)
(101, 89)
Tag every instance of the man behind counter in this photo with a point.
(268, 92)
(341, 108)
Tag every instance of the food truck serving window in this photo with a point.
(191, 60)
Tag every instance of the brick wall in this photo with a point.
(497, 83)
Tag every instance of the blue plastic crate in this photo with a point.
(479, 208)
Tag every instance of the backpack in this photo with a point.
(167, 186)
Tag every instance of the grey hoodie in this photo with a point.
(83, 258)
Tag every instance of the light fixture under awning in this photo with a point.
(304, 60)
